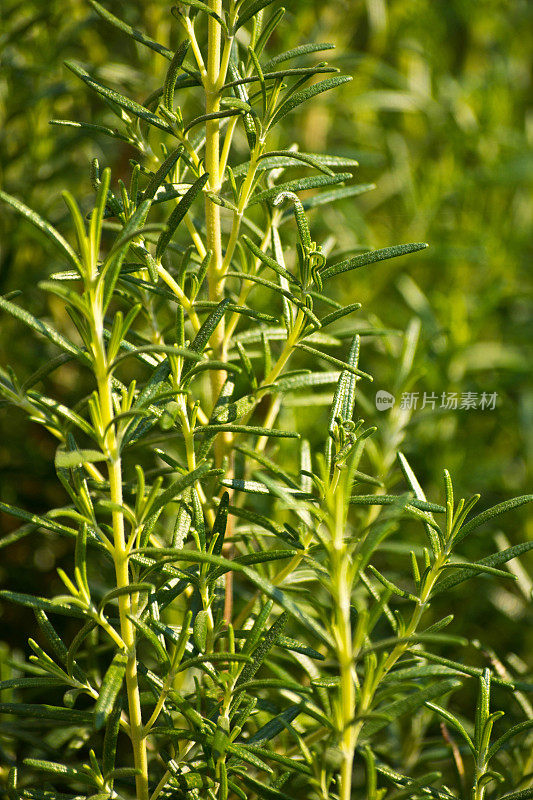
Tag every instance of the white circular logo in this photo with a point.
(384, 400)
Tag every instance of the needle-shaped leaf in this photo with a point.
(67, 716)
(407, 705)
(490, 561)
(371, 257)
(268, 261)
(110, 738)
(261, 651)
(335, 361)
(275, 725)
(296, 157)
(296, 52)
(306, 94)
(49, 231)
(111, 686)
(178, 214)
(172, 74)
(139, 36)
(253, 430)
(91, 128)
(489, 514)
(299, 185)
(42, 327)
(158, 177)
(508, 735)
(118, 99)
(52, 606)
(290, 158)
(200, 6)
(324, 198)
(201, 340)
(248, 10)
(176, 488)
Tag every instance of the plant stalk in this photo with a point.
(120, 555)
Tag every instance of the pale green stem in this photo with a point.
(212, 164)
(120, 556)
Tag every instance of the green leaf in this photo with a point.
(299, 185)
(449, 717)
(509, 734)
(36, 711)
(291, 644)
(35, 519)
(201, 340)
(305, 379)
(295, 52)
(172, 74)
(407, 705)
(220, 524)
(52, 606)
(433, 532)
(121, 591)
(124, 102)
(261, 652)
(92, 128)
(339, 314)
(489, 514)
(158, 177)
(391, 586)
(371, 257)
(391, 499)
(68, 459)
(139, 36)
(295, 157)
(30, 683)
(243, 754)
(268, 261)
(323, 198)
(306, 94)
(110, 738)
(178, 214)
(290, 158)
(200, 6)
(61, 770)
(44, 226)
(490, 561)
(335, 361)
(262, 790)
(249, 10)
(153, 639)
(111, 685)
(253, 430)
(199, 631)
(265, 522)
(525, 794)
(233, 411)
(43, 328)
(275, 726)
(175, 489)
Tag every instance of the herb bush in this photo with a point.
(237, 620)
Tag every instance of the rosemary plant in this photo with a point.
(198, 302)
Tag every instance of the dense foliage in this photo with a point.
(256, 591)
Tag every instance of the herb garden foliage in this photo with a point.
(234, 636)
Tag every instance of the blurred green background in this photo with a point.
(439, 117)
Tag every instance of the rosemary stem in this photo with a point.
(120, 556)
(212, 163)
